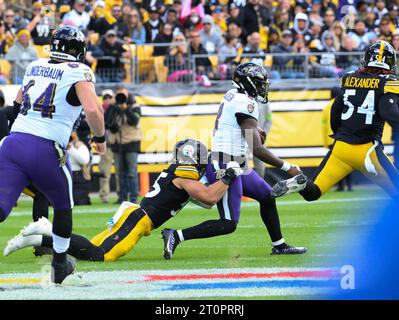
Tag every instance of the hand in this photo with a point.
(233, 170)
(100, 148)
(294, 171)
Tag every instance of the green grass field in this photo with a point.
(320, 226)
(315, 225)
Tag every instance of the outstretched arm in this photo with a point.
(208, 195)
(251, 135)
(213, 193)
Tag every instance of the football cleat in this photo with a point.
(42, 226)
(287, 249)
(20, 242)
(295, 184)
(59, 271)
(169, 243)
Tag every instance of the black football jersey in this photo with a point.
(165, 200)
(356, 108)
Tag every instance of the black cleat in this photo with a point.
(59, 271)
(287, 249)
(169, 243)
(295, 184)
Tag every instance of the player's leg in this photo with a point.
(132, 225)
(80, 247)
(39, 210)
(12, 183)
(332, 169)
(387, 176)
(13, 180)
(256, 188)
(229, 212)
(40, 202)
(52, 174)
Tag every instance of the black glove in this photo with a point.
(229, 176)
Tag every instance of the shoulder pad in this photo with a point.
(187, 172)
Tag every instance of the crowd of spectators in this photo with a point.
(284, 35)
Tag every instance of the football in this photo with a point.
(262, 135)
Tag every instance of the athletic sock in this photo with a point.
(208, 229)
(60, 244)
(269, 214)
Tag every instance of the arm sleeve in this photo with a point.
(388, 108)
(187, 172)
(336, 111)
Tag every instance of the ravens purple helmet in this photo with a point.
(68, 43)
(253, 80)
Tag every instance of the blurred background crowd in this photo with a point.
(199, 40)
(158, 41)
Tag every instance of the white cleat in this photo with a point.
(42, 227)
(20, 242)
(293, 185)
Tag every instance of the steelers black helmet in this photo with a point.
(380, 54)
(191, 152)
(253, 80)
(68, 43)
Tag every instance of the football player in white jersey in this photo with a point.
(236, 130)
(52, 96)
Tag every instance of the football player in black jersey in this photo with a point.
(167, 196)
(367, 99)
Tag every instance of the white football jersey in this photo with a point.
(228, 137)
(45, 111)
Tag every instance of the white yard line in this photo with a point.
(244, 204)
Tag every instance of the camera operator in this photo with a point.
(122, 120)
(79, 157)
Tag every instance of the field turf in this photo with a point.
(319, 226)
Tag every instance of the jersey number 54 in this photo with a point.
(367, 107)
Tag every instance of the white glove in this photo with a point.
(237, 169)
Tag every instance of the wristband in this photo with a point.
(286, 166)
(98, 139)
